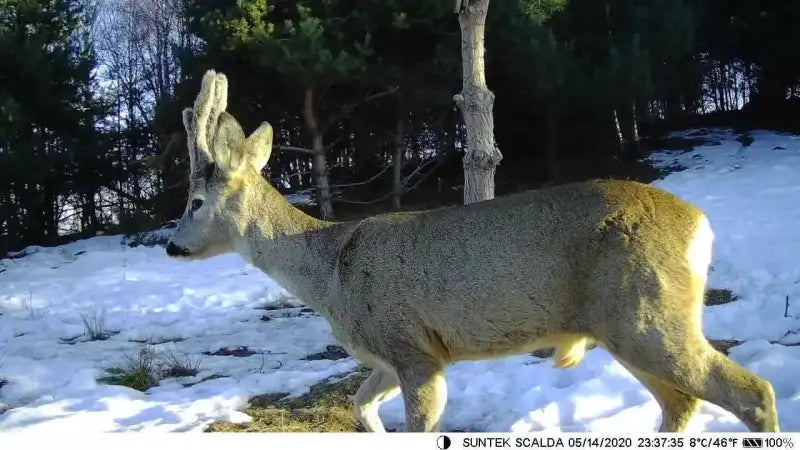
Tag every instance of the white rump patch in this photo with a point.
(699, 252)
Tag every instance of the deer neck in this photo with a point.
(294, 249)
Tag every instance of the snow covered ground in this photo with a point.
(751, 194)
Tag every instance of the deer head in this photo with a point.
(220, 157)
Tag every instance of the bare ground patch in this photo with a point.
(724, 345)
(327, 407)
(239, 352)
(332, 353)
(715, 297)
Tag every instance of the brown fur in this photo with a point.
(618, 263)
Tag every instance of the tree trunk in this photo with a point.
(476, 102)
(89, 213)
(397, 161)
(10, 207)
(50, 213)
(729, 102)
(614, 115)
(718, 87)
(635, 145)
(551, 146)
(618, 132)
(319, 163)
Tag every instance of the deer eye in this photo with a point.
(196, 204)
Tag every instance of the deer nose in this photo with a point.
(174, 250)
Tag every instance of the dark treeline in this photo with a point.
(360, 94)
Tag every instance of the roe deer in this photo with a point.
(616, 263)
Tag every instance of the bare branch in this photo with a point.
(366, 202)
(436, 162)
(136, 200)
(288, 176)
(368, 180)
(348, 109)
(157, 161)
(300, 173)
(424, 165)
(290, 148)
(439, 161)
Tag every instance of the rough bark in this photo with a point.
(476, 102)
(319, 163)
(397, 161)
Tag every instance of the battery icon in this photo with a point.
(753, 442)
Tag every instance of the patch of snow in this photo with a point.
(189, 308)
(300, 199)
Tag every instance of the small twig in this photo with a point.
(34, 313)
(786, 309)
(264, 360)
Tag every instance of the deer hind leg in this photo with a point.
(379, 387)
(688, 364)
(424, 394)
(749, 397)
(677, 408)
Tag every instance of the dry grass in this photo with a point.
(34, 312)
(327, 407)
(95, 328)
(176, 366)
(148, 366)
(139, 370)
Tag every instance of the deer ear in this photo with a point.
(228, 139)
(258, 146)
(198, 158)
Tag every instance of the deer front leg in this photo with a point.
(379, 387)
(425, 394)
